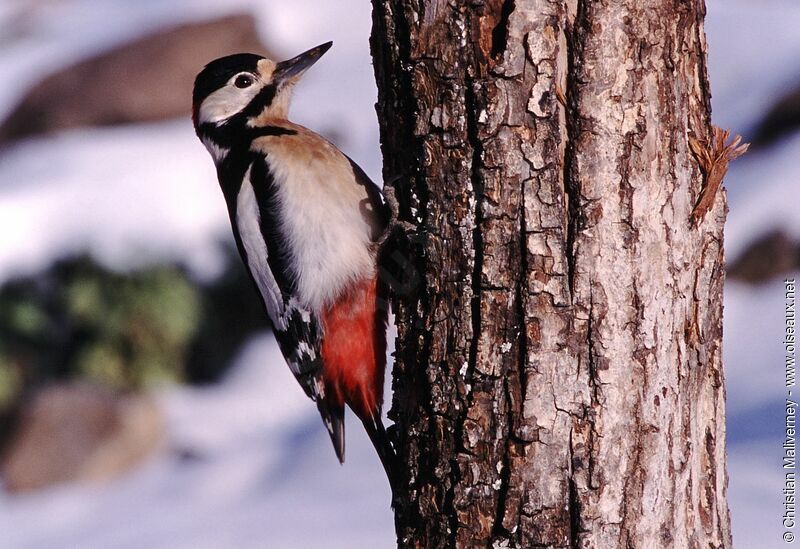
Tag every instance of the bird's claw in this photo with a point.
(395, 223)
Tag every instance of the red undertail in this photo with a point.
(354, 350)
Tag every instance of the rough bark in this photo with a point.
(558, 378)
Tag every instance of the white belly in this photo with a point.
(319, 207)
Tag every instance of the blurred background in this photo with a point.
(143, 402)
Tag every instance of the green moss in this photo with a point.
(101, 363)
(27, 317)
(78, 319)
(10, 383)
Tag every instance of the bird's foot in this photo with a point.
(395, 223)
(397, 253)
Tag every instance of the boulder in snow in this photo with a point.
(79, 432)
(145, 80)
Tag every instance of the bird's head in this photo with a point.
(247, 89)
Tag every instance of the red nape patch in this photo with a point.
(354, 349)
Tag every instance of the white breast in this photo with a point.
(319, 205)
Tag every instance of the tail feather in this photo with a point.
(377, 434)
(333, 417)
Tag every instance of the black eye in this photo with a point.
(243, 81)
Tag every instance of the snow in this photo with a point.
(248, 462)
(754, 493)
(763, 195)
(754, 371)
(752, 57)
(123, 193)
(262, 473)
(753, 61)
(753, 351)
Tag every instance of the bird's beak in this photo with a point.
(294, 67)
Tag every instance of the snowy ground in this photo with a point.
(262, 473)
(752, 62)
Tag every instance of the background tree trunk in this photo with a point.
(559, 373)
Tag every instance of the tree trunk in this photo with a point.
(558, 378)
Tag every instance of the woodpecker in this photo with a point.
(309, 225)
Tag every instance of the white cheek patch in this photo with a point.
(225, 102)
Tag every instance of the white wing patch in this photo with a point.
(217, 153)
(248, 221)
(294, 304)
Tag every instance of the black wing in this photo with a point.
(373, 209)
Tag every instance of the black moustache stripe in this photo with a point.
(261, 101)
(236, 134)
